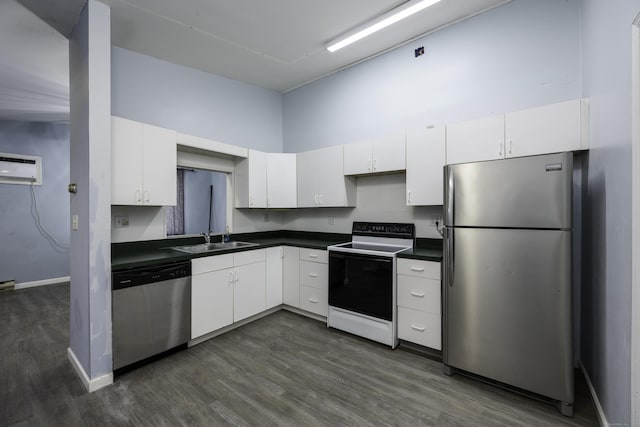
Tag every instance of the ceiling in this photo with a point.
(276, 44)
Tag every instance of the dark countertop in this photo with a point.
(154, 252)
(426, 250)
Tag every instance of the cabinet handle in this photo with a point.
(409, 196)
(138, 195)
(230, 278)
(313, 300)
(417, 328)
(320, 198)
(418, 269)
(235, 276)
(281, 252)
(500, 149)
(416, 294)
(313, 274)
(146, 196)
(313, 255)
(370, 165)
(510, 146)
(375, 163)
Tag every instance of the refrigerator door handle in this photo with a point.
(450, 260)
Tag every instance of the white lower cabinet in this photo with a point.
(291, 276)
(314, 281)
(225, 289)
(274, 276)
(419, 302)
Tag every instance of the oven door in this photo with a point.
(361, 283)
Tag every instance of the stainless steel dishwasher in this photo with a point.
(151, 308)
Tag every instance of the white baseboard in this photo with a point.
(53, 281)
(602, 419)
(90, 384)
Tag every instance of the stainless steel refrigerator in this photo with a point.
(507, 273)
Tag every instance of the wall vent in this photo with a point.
(20, 169)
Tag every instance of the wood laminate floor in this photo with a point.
(283, 369)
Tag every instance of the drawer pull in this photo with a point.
(416, 294)
(313, 255)
(418, 269)
(313, 300)
(313, 274)
(417, 328)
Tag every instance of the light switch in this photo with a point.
(74, 222)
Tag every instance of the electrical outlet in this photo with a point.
(266, 217)
(74, 222)
(436, 219)
(121, 221)
(332, 220)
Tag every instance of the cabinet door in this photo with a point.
(290, 279)
(314, 300)
(251, 181)
(281, 180)
(211, 301)
(548, 129)
(333, 188)
(274, 276)
(476, 140)
(126, 161)
(425, 162)
(307, 179)
(389, 154)
(249, 296)
(358, 158)
(159, 166)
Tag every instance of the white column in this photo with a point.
(90, 90)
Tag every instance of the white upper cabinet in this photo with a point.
(476, 140)
(281, 180)
(143, 159)
(547, 129)
(251, 181)
(551, 128)
(376, 156)
(266, 180)
(321, 182)
(425, 160)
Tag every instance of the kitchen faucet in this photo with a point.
(207, 236)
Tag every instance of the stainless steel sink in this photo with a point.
(212, 247)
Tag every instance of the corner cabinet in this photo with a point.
(266, 180)
(425, 160)
(143, 164)
(376, 156)
(321, 181)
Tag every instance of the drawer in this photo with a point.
(211, 263)
(249, 257)
(419, 268)
(314, 255)
(314, 274)
(420, 328)
(314, 300)
(419, 294)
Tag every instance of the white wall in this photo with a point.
(157, 92)
(520, 55)
(606, 293)
(25, 254)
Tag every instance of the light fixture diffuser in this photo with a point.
(389, 18)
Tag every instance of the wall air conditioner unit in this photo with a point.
(20, 169)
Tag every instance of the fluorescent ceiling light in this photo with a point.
(391, 17)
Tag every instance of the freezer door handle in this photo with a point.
(449, 195)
